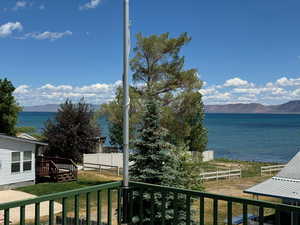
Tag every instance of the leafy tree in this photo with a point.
(9, 109)
(72, 132)
(154, 161)
(158, 65)
(113, 111)
(184, 119)
(158, 70)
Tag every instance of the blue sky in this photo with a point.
(245, 51)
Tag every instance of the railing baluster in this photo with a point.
(119, 206)
(201, 210)
(175, 208)
(76, 209)
(229, 213)
(22, 215)
(64, 211)
(109, 205)
(99, 208)
(188, 210)
(215, 211)
(130, 205)
(88, 208)
(261, 215)
(245, 214)
(141, 217)
(37, 214)
(163, 208)
(6, 217)
(51, 212)
(152, 216)
(277, 217)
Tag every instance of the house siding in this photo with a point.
(6, 148)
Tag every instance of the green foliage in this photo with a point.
(190, 166)
(9, 109)
(28, 130)
(114, 113)
(159, 71)
(159, 66)
(155, 161)
(73, 131)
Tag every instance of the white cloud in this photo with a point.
(8, 28)
(236, 82)
(236, 90)
(247, 90)
(269, 93)
(22, 89)
(284, 81)
(19, 5)
(90, 5)
(54, 94)
(208, 91)
(42, 7)
(47, 35)
(56, 88)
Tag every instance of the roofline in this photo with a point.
(24, 140)
(267, 195)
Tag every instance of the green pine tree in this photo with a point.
(197, 138)
(9, 109)
(155, 162)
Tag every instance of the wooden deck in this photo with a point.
(55, 169)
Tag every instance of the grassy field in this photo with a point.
(249, 168)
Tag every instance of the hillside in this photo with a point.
(289, 107)
(48, 108)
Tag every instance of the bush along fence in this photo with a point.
(148, 205)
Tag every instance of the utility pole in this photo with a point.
(126, 102)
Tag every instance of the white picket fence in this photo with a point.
(269, 170)
(103, 161)
(100, 167)
(221, 174)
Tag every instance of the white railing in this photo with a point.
(269, 170)
(221, 174)
(100, 167)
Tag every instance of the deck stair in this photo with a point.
(55, 169)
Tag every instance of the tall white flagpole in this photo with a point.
(126, 110)
(126, 92)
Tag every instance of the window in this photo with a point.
(15, 162)
(27, 161)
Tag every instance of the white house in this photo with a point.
(17, 161)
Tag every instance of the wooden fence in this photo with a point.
(100, 167)
(221, 174)
(269, 170)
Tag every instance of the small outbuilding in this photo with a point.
(18, 161)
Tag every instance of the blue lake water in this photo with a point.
(258, 137)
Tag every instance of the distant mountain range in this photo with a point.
(47, 108)
(289, 107)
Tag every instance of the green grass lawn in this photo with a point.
(84, 179)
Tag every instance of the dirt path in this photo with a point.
(234, 187)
